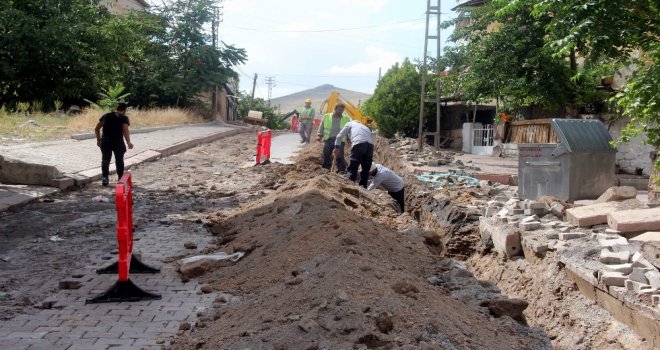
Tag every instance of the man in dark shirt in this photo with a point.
(115, 130)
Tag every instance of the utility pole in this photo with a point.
(430, 10)
(379, 70)
(254, 85)
(215, 21)
(270, 81)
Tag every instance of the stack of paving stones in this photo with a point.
(429, 156)
(623, 268)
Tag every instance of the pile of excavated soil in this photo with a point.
(326, 269)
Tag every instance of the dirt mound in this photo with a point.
(325, 270)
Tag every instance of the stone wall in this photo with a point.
(633, 155)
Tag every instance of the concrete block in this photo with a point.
(506, 241)
(625, 269)
(565, 236)
(537, 205)
(635, 220)
(612, 231)
(503, 212)
(639, 261)
(616, 279)
(539, 212)
(530, 225)
(558, 209)
(530, 218)
(62, 182)
(565, 229)
(637, 287)
(490, 211)
(651, 236)
(517, 211)
(638, 275)
(612, 242)
(617, 193)
(651, 251)
(596, 214)
(512, 220)
(653, 277)
(655, 299)
(609, 257)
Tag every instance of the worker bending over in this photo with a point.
(362, 150)
(389, 181)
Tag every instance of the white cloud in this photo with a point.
(377, 58)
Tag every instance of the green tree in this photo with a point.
(626, 32)
(186, 64)
(260, 105)
(54, 49)
(504, 53)
(395, 102)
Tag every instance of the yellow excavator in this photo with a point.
(329, 103)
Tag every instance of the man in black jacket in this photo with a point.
(115, 130)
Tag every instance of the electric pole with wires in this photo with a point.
(215, 22)
(270, 81)
(430, 10)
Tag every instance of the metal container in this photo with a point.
(580, 166)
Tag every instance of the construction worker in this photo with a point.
(306, 120)
(362, 150)
(389, 181)
(330, 126)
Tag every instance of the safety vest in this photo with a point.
(306, 114)
(327, 125)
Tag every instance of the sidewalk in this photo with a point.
(49, 166)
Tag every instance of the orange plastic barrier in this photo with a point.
(315, 124)
(124, 204)
(263, 146)
(124, 289)
(294, 123)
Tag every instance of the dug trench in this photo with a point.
(328, 265)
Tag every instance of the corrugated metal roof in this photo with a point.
(583, 135)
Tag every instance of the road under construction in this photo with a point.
(319, 263)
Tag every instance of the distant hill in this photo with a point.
(318, 94)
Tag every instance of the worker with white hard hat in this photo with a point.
(389, 181)
(306, 121)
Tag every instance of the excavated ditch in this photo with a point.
(331, 266)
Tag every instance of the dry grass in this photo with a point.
(41, 127)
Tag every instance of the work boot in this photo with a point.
(105, 181)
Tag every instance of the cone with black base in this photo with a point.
(137, 266)
(123, 291)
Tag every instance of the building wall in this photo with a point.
(123, 6)
(633, 155)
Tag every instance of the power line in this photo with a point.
(270, 81)
(323, 30)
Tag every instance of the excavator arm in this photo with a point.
(285, 116)
(328, 105)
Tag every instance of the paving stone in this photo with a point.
(651, 236)
(655, 299)
(635, 220)
(610, 257)
(636, 286)
(565, 236)
(625, 269)
(653, 277)
(530, 225)
(637, 275)
(613, 279)
(612, 242)
(617, 193)
(595, 214)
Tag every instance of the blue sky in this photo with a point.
(304, 44)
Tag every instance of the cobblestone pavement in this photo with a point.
(71, 324)
(72, 156)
